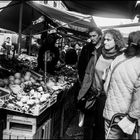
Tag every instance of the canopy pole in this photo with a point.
(30, 42)
(20, 27)
(46, 57)
(45, 67)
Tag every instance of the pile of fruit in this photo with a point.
(29, 93)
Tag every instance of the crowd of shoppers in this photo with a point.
(112, 46)
(112, 70)
(122, 90)
(109, 67)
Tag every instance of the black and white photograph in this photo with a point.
(69, 69)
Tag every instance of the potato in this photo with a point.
(2, 83)
(22, 80)
(17, 81)
(6, 81)
(26, 77)
(28, 73)
(11, 78)
(17, 75)
(32, 80)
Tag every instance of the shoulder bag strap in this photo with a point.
(114, 70)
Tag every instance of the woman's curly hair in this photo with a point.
(118, 38)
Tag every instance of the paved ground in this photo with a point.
(74, 131)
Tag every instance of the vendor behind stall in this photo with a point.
(52, 52)
(71, 55)
(7, 45)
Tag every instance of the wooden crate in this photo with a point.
(53, 100)
(15, 134)
(21, 123)
(43, 132)
(47, 129)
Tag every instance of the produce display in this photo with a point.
(29, 94)
(30, 61)
(68, 71)
(25, 91)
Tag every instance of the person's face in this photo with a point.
(109, 42)
(94, 37)
(66, 47)
(8, 40)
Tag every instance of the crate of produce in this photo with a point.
(21, 123)
(53, 100)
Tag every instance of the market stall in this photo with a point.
(29, 103)
(25, 95)
(30, 99)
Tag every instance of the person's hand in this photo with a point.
(127, 126)
(80, 98)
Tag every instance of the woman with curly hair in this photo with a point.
(122, 87)
(112, 46)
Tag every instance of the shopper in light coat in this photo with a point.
(113, 44)
(119, 88)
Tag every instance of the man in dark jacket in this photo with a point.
(95, 35)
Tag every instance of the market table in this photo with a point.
(47, 124)
(26, 108)
(26, 125)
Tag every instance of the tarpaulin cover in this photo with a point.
(75, 20)
(103, 8)
(9, 17)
